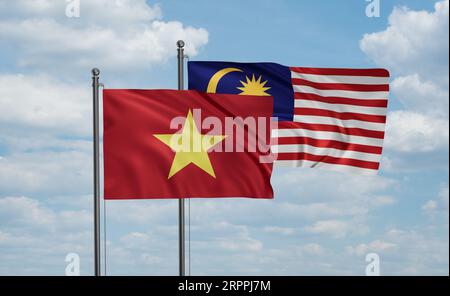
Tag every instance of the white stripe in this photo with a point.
(320, 135)
(350, 123)
(369, 80)
(302, 148)
(340, 107)
(342, 93)
(323, 165)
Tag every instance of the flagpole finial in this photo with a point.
(95, 72)
(180, 43)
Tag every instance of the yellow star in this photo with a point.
(254, 87)
(190, 146)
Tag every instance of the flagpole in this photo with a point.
(95, 95)
(180, 49)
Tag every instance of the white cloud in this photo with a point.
(24, 211)
(136, 240)
(416, 252)
(143, 211)
(113, 35)
(415, 132)
(116, 12)
(35, 238)
(150, 259)
(30, 214)
(323, 185)
(377, 246)
(245, 244)
(9, 240)
(429, 206)
(234, 237)
(336, 228)
(444, 196)
(40, 102)
(280, 230)
(380, 201)
(302, 195)
(439, 205)
(414, 42)
(51, 172)
(415, 48)
(421, 96)
(313, 249)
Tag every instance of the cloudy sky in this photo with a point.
(320, 223)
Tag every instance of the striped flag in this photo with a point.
(339, 119)
(327, 118)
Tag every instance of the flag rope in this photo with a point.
(189, 217)
(104, 233)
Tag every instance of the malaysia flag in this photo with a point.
(327, 117)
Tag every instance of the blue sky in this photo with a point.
(320, 223)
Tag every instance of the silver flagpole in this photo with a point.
(95, 92)
(180, 49)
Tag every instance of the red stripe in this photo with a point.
(340, 115)
(382, 103)
(339, 129)
(329, 159)
(328, 144)
(341, 86)
(343, 72)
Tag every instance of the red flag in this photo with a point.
(172, 144)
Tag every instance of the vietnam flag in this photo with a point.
(172, 144)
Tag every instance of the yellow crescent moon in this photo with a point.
(214, 81)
